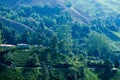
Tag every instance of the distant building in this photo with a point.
(6, 45)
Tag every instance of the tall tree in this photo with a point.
(25, 37)
(1, 25)
(64, 38)
(0, 38)
(54, 44)
(108, 64)
(116, 64)
(46, 73)
(98, 45)
(35, 60)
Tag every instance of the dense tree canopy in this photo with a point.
(61, 45)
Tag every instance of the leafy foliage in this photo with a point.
(60, 47)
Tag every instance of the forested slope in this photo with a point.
(62, 40)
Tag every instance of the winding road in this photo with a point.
(15, 67)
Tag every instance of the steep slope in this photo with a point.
(76, 13)
(89, 6)
(16, 25)
(79, 15)
(101, 7)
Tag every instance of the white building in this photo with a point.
(6, 45)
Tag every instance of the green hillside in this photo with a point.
(59, 40)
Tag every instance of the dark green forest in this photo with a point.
(55, 40)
